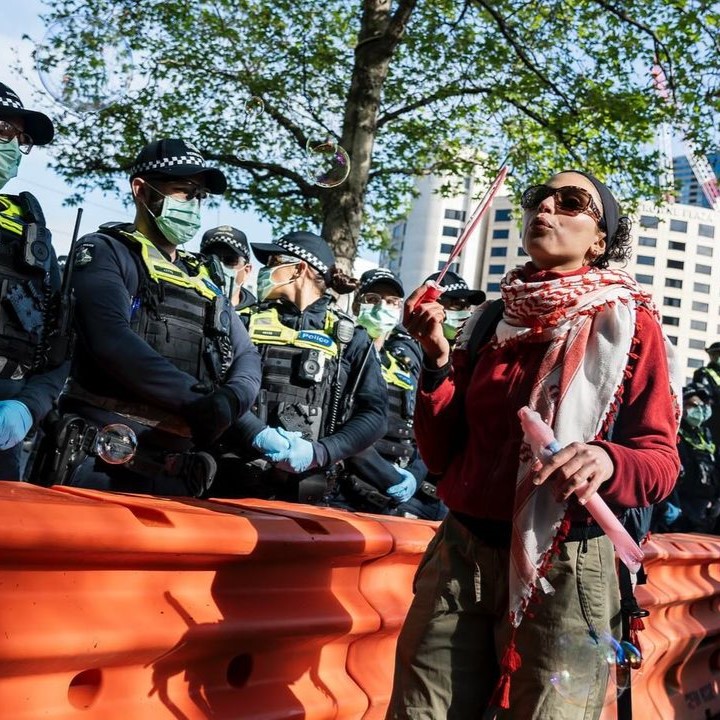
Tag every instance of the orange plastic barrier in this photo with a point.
(680, 675)
(121, 606)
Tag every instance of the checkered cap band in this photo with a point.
(168, 162)
(301, 252)
(454, 286)
(10, 101)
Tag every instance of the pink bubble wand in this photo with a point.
(541, 439)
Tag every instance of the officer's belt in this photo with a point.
(138, 412)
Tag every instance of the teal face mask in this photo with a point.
(697, 415)
(378, 319)
(9, 161)
(453, 320)
(265, 283)
(179, 220)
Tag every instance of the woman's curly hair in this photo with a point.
(618, 247)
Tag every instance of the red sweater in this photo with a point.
(468, 431)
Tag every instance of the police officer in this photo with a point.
(709, 377)
(390, 477)
(159, 348)
(458, 300)
(323, 397)
(33, 347)
(230, 247)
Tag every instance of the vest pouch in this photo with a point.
(298, 417)
(24, 302)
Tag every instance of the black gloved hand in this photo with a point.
(211, 415)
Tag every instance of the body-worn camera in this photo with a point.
(312, 365)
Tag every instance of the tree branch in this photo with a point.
(509, 35)
(659, 44)
(271, 170)
(443, 93)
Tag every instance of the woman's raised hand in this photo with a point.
(424, 322)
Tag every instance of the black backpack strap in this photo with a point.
(484, 328)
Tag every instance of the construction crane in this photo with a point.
(698, 162)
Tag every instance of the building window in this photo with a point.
(644, 279)
(671, 301)
(446, 248)
(696, 344)
(649, 221)
(450, 231)
(701, 288)
(498, 252)
(504, 215)
(675, 245)
(706, 230)
(678, 226)
(672, 339)
(703, 269)
(700, 307)
(499, 234)
(645, 260)
(647, 241)
(493, 287)
(495, 269)
(455, 215)
(694, 363)
(441, 265)
(673, 282)
(704, 250)
(521, 252)
(669, 320)
(698, 325)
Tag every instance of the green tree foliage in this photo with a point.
(407, 87)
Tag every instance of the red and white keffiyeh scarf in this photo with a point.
(589, 321)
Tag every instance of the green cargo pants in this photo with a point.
(455, 633)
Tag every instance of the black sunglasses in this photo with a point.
(569, 199)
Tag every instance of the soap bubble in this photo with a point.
(84, 63)
(254, 106)
(585, 663)
(328, 164)
(116, 444)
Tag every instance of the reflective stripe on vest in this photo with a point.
(265, 328)
(162, 270)
(395, 375)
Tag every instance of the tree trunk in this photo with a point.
(342, 207)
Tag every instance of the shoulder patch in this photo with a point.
(84, 255)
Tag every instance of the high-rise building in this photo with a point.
(674, 257)
(689, 188)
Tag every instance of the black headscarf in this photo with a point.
(611, 208)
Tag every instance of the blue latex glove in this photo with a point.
(405, 489)
(301, 455)
(15, 421)
(272, 444)
(671, 513)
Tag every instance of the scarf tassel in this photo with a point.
(510, 663)
(636, 626)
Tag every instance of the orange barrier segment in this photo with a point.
(120, 606)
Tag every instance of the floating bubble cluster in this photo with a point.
(254, 106)
(85, 64)
(328, 164)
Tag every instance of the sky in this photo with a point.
(34, 174)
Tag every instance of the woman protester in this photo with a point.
(322, 397)
(581, 344)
